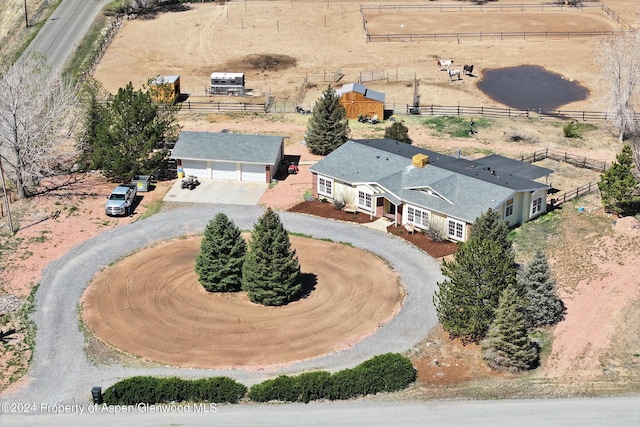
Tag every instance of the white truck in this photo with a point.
(120, 201)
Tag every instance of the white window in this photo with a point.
(455, 229)
(536, 207)
(508, 209)
(418, 217)
(325, 186)
(365, 200)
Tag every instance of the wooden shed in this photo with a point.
(165, 89)
(360, 101)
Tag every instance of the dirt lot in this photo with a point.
(208, 38)
(595, 264)
(194, 328)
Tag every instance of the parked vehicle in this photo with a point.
(120, 201)
(190, 182)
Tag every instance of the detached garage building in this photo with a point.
(228, 156)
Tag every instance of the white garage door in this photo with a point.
(194, 167)
(254, 173)
(226, 171)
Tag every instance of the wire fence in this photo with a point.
(393, 76)
(479, 36)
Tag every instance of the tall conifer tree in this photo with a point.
(483, 267)
(543, 305)
(619, 188)
(222, 252)
(508, 346)
(328, 127)
(271, 270)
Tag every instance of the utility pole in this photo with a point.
(26, 18)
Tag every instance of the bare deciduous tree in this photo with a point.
(619, 60)
(37, 113)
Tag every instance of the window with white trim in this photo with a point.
(325, 186)
(365, 200)
(418, 217)
(508, 208)
(455, 229)
(536, 206)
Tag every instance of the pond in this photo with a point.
(530, 87)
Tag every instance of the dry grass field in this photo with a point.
(278, 43)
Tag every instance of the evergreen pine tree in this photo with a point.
(128, 134)
(618, 186)
(466, 302)
(270, 274)
(222, 252)
(328, 127)
(483, 267)
(491, 226)
(543, 306)
(508, 346)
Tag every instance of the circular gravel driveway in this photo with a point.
(62, 373)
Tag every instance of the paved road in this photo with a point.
(619, 412)
(60, 35)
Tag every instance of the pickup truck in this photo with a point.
(121, 199)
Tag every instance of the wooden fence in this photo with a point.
(583, 190)
(459, 37)
(578, 161)
(472, 7)
(510, 113)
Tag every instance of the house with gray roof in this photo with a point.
(423, 189)
(228, 156)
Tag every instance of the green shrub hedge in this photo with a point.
(151, 390)
(387, 372)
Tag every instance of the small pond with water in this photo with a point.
(530, 87)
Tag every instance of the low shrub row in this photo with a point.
(387, 372)
(151, 390)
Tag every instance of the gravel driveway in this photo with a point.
(61, 373)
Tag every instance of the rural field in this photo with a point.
(277, 44)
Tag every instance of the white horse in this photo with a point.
(454, 73)
(444, 63)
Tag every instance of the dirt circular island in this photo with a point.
(151, 304)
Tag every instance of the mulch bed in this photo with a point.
(421, 240)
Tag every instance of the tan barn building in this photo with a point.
(165, 89)
(360, 101)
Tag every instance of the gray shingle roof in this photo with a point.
(228, 147)
(360, 88)
(515, 167)
(446, 184)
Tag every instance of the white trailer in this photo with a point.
(230, 84)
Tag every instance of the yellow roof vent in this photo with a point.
(420, 160)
